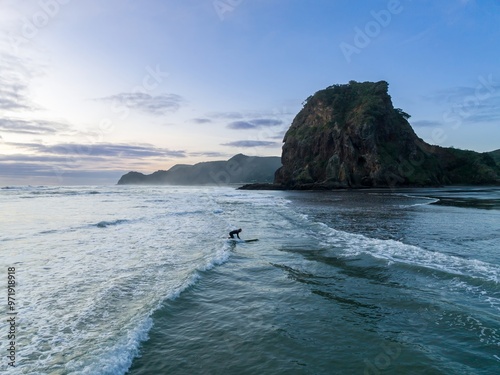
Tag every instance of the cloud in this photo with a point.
(210, 154)
(249, 144)
(425, 123)
(254, 124)
(485, 89)
(449, 95)
(157, 105)
(474, 109)
(226, 115)
(38, 127)
(38, 159)
(485, 116)
(201, 120)
(240, 125)
(19, 173)
(13, 96)
(279, 135)
(419, 36)
(249, 119)
(464, 104)
(266, 122)
(66, 162)
(13, 166)
(25, 169)
(468, 111)
(106, 150)
(14, 79)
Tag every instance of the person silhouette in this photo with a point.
(235, 232)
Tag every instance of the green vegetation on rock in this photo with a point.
(350, 135)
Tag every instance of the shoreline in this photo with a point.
(333, 187)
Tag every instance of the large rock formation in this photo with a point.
(239, 169)
(351, 136)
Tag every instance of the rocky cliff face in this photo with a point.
(352, 136)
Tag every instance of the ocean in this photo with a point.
(143, 280)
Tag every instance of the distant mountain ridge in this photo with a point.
(238, 169)
(495, 155)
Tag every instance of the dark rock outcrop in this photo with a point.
(351, 136)
(262, 186)
(239, 169)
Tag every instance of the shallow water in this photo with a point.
(339, 282)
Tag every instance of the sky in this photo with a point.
(90, 90)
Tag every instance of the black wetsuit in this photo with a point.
(232, 233)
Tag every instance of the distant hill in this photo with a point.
(351, 136)
(495, 155)
(239, 169)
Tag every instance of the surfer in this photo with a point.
(235, 232)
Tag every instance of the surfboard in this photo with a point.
(237, 240)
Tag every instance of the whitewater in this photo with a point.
(142, 280)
